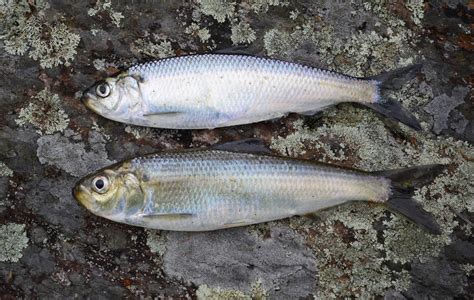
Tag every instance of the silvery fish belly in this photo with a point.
(210, 189)
(209, 91)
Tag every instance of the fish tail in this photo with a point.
(403, 184)
(390, 107)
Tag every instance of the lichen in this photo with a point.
(138, 132)
(417, 8)
(106, 6)
(294, 14)
(26, 31)
(220, 10)
(13, 241)
(5, 171)
(276, 42)
(156, 241)
(257, 292)
(358, 244)
(203, 34)
(262, 6)
(60, 48)
(45, 113)
(242, 33)
(385, 46)
(468, 269)
(206, 293)
(153, 46)
(99, 64)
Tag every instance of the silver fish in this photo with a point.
(215, 90)
(204, 190)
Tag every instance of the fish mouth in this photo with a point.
(88, 101)
(83, 196)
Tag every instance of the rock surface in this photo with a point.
(51, 51)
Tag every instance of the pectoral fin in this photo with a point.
(162, 114)
(175, 216)
(241, 222)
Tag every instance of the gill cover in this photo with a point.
(115, 98)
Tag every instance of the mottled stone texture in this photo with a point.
(58, 249)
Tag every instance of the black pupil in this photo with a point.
(102, 89)
(99, 184)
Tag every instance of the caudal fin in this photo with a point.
(391, 108)
(404, 182)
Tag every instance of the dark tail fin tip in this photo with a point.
(413, 211)
(392, 81)
(394, 110)
(403, 183)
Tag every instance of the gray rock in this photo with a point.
(73, 158)
(442, 105)
(235, 259)
(438, 279)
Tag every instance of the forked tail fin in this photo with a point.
(404, 182)
(389, 107)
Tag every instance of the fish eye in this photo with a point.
(100, 184)
(102, 90)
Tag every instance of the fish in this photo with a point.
(219, 90)
(209, 189)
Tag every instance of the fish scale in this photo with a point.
(222, 90)
(224, 189)
(199, 190)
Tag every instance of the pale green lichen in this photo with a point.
(106, 6)
(45, 113)
(206, 293)
(202, 33)
(99, 64)
(60, 48)
(262, 6)
(242, 33)
(353, 256)
(468, 269)
(5, 171)
(13, 241)
(156, 241)
(257, 292)
(138, 132)
(25, 31)
(220, 10)
(362, 53)
(417, 8)
(352, 266)
(294, 14)
(101, 130)
(277, 42)
(153, 46)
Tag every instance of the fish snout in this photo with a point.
(88, 100)
(82, 195)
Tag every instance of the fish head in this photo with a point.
(116, 98)
(114, 193)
